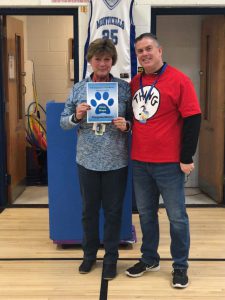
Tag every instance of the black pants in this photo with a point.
(102, 189)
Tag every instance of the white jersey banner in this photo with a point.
(113, 19)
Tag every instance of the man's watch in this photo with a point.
(74, 119)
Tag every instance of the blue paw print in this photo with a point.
(102, 108)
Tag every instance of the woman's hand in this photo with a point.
(187, 168)
(120, 123)
(81, 110)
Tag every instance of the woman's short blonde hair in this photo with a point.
(100, 47)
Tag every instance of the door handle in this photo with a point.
(24, 89)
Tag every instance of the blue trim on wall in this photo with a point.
(133, 57)
(41, 11)
(157, 11)
(87, 41)
(76, 46)
(60, 11)
(69, 11)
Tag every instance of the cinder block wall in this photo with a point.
(48, 47)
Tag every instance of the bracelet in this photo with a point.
(74, 119)
(128, 126)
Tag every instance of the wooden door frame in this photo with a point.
(3, 158)
(159, 11)
(69, 11)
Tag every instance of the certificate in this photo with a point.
(103, 100)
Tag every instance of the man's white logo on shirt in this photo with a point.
(144, 110)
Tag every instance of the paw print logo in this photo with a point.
(102, 103)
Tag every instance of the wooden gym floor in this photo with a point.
(32, 267)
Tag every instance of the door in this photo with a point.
(16, 140)
(212, 96)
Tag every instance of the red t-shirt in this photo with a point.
(172, 99)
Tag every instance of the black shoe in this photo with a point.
(109, 271)
(86, 266)
(180, 278)
(140, 268)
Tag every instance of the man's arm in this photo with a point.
(191, 128)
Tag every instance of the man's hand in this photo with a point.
(187, 168)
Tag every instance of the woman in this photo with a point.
(102, 159)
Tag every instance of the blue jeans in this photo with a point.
(150, 180)
(104, 189)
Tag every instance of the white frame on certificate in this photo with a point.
(103, 100)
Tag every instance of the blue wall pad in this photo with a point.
(63, 185)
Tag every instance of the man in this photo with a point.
(165, 133)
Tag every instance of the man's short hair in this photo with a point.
(148, 35)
